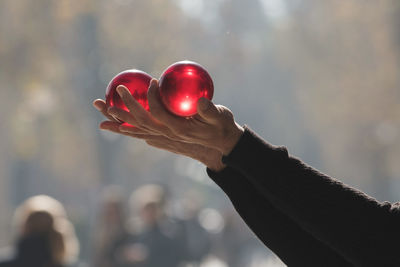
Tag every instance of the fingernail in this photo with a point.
(120, 90)
(97, 107)
(152, 83)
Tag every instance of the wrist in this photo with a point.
(232, 138)
(213, 161)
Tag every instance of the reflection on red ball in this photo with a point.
(136, 81)
(182, 84)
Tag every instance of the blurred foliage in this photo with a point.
(345, 57)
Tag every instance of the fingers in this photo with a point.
(122, 115)
(142, 117)
(158, 141)
(130, 102)
(113, 126)
(110, 126)
(127, 128)
(207, 110)
(101, 106)
(158, 110)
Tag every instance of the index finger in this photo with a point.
(158, 110)
(134, 107)
(143, 118)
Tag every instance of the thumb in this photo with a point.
(207, 110)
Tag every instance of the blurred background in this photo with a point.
(320, 77)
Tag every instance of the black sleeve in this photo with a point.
(293, 245)
(362, 230)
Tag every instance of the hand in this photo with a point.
(213, 126)
(208, 156)
(113, 124)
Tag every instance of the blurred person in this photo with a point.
(198, 240)
(45, 237)
(155, 239)
(307, 218)
(110, 226)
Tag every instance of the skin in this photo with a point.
(205, 137)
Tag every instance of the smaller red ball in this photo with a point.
(137, 83)
(181, 86)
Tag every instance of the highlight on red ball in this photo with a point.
(137, 83)
(181, 86)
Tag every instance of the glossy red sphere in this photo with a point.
(181, 86)
(136, 81)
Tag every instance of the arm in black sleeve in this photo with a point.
(293, 245)
(362, 230)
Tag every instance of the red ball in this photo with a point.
(181, 86)
(137, 83)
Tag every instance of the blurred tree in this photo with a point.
(346, 64)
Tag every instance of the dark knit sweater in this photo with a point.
(307, 218)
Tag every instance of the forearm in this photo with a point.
(285, 238)
(346, 219)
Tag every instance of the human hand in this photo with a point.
(144, 130)
(114, 124)
(213, 126)
(210, 157)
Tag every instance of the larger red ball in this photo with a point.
(181, 86)
(137, 83)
